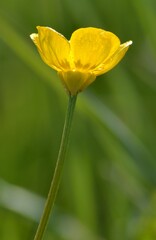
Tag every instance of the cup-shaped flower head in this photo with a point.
(89, 52)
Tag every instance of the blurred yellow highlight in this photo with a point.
(89, 52)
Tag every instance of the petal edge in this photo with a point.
(113, 60)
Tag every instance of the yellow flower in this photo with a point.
(89, 52)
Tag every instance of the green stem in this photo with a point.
(58, 169)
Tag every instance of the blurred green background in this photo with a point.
(108, 189)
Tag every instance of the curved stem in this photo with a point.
(58, 169)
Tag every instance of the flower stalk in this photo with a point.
(58, 169)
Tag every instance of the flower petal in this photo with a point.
(75, 81)
(53, 48)
(113, 60)
(91, 46)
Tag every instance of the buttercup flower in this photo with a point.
(89, 52)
